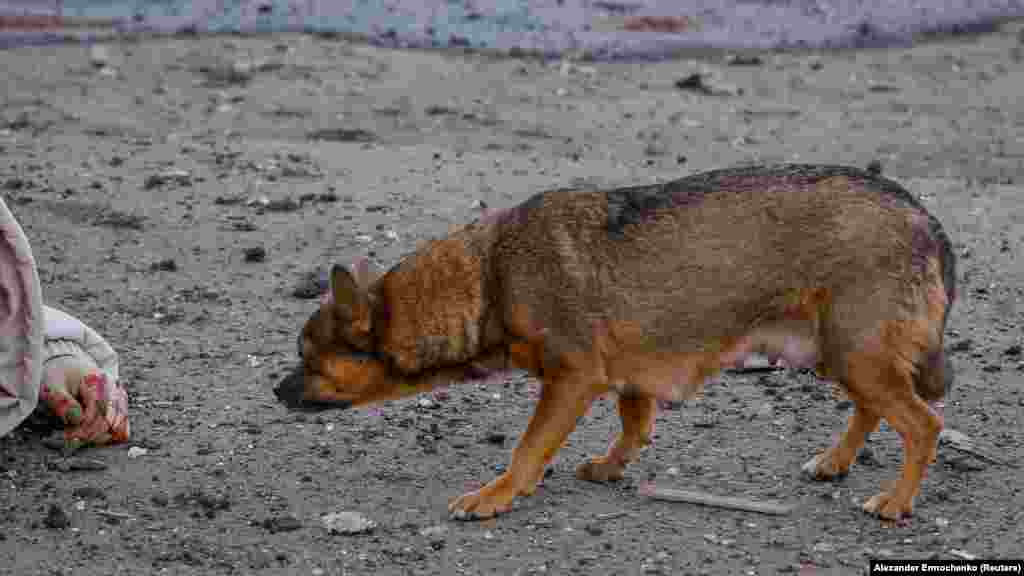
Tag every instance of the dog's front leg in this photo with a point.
(563, 400)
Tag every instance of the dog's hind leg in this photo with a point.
(638, 414)
(882, 380)
(565, 397)
(836, 461)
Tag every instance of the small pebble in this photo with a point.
(348, 523)
(255, 254)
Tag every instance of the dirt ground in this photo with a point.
(182, 196)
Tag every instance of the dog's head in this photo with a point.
(339, 366)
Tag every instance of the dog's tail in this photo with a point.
(935, 376)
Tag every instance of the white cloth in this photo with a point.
(21, 325)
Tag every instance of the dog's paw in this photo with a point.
(822, 467)
(600, 469)
(888, 507)
(487, 502)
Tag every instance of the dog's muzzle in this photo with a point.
(290, 391)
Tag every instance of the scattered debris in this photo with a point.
(179, 177)
(962, 554)
(343, 135)
(56, 518)
(703, 84)
(282, 205)
(611, 516)
(260, 201)
(348, 523)
(281, 524)
(78, 465)
(165, 265)
(959, 441)
(119, 220)
(495, 437)
(775, 508)
(745, 60)
(222, 75)
(99, 56)
(228, 200)
(255, 254)
(113, 514)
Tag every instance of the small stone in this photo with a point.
(99, 56)
(281, 524)
(348, 523)
(703, 84)
(179, 177)
(136, 451)
(343, 135)
(255, 254)
(165, 265)
(56, 518)
(495, 437)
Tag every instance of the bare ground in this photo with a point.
(179, 194)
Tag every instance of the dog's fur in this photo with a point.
(648, 291)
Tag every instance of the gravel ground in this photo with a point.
(183, 196)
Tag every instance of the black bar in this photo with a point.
(941, 567)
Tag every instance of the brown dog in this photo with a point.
(648, 291)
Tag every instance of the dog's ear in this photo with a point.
(347, 295)
(366, 273)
